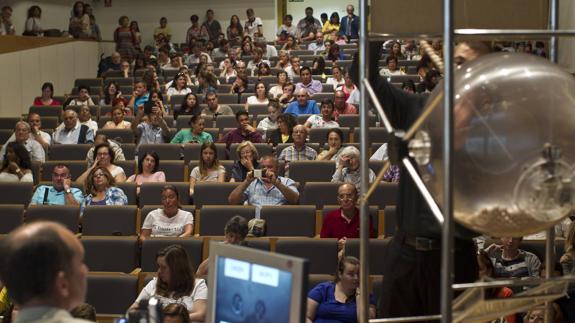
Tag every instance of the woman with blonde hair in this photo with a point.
(101, 189)
(247, 161)
(209, 168)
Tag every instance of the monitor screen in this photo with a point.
(248, 285)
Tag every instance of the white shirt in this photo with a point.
(386, 72)
(34, 149)
(276, 91)
(254, 100)
(78, 102)
(317, 121)
(200, 292)
(91, 124)
(173, 91)
(353, 97)
(163, 226)
(334, 82)
(250, 28)
(6, 177)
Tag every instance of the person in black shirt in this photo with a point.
(412, 273)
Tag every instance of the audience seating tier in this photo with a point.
(164, 151)
(289, 220)
(99, 295)
(69, 152)
(11, 216)
(211, 219)
(311, 170)
(151, 247)
(47, 111)
(321, 253)
(16, 193)
(67, 215)
(9, 123)
(111, 254)
(119, 135)
(109, 220)
(151, 193)
(378, 250)
(210, 193)
(130, 189)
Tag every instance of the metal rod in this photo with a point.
(364, 170)
(423, 190)
(375, 183)
(512, 282)
(378, 106)
(407, 319)
(447, 232)
(432, 55)
(515, 32)
(423, 117)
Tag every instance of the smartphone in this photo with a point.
(258, 173)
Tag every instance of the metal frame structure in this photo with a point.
(449, 33)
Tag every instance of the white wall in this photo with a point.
(297, 9)
(567, 45)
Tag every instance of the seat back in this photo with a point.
(174, 170)
(98, 294)
(223, 122)
(289, 220)
(378, 249)
(113, 254)
(303, 171)
(385, 194)
(151, 193)
(212, 219)
(113, 220)
(212, 193)
(321, 253)
(390, 221)
(151, 247)
(69, 152)
(319, 194)
(9, 122)
(67, 215)
(16, 193)
(119, 135)
(164, 151)
(11, 216)
(130, 189)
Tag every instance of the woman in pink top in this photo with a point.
(148, 165)
(47, 94)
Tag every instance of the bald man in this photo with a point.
(302, 104)
(71, 131)
(22, 134)
(42, 266)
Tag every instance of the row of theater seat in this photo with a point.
(210, 193)
(281, 221)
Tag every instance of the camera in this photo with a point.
(260, 173)
(148, 311)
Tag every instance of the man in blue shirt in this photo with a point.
(60, 193)
(349, 25)
(139, 96)
(303, 105)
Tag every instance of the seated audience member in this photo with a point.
(209, 168)
(337, 77)
(228, 70)
(283, 133)
(84, 311)
(16, 164)
(169, 220)
(101, 189)
(139, 97)
(247, 162)
(117, 121)
(235, 232)
(148, 165)
(43, 138)
(22, 135)
(178, 86)
(270, 122)
(283, 60)
(294, 68)
(334, 53)
(47, 97)
(190, 106)
(257, 59)
(111, 92)
(269, 189)
(260, 97)
(408, 86)
(105, 157)
(390, 68)
(240, 84)
(85, 118)
(336, 301)
(288, 95)
(153, 130)
(194, 135)
(175, 283)
(60, 192)
(299, 150)
(347, 170)
(303, 105)
(393, 173)
(215, 109)
(100, 139)
(176, 313)
(307, 82)
(510, 261)
(486, 272)
(83, 97)
(343, 223)
(341, 106)
(318, 67)
(263, 70)
(243, 132)
(285, 29)
(335, 139)
(325, 120)
(317, 46)
(350, 90)
(71, 131)
(276, 91)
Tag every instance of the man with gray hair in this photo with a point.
(299, 150)
(21, 135)
(347, 170)
(72, 131)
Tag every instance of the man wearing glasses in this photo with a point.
(340, 106)
(60, 192)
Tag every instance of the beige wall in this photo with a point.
(23, 72)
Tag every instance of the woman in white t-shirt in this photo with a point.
(170, 220)
(337, 80)
(176, 283)
(178, 86)
(209, 168)
(325, 119)
(261, 96)
(278, 90)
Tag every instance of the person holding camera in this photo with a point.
(153, 130)
(264, 187)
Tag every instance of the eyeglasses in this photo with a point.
(98, 175)
(102, 154)
(345, 197)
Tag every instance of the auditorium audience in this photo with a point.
(111, 92)
(290, 44)
(303, 104)
(283, 60)
(487, 272)
(334, 53)
(212, 26)
(105, 158)
(341, 106)
(336, 301)
(16, 164)
(260, 97)
(317, 46)
(337, 79)
(215, 109)
(178, 86)
(299, 150)
(391, 67)
(79, 26)
(347, 170)
(139, 96)
(325, 119)
(307, 82)
(43, 138)
(240, 84)
(47, 97)
(287, 96)
(100, 139)
(83, 97)
(148, 164)
(254, 25)
(60, 192)
(125, 39)
(349, 25)
(247, 161)
(511, 262)
(85, 118)
(117, 121)
(335, 139)
(283, 134)
(277, 90)
(153, 130)
(101, 189)
(6, 25)
(176, 283)
(318, 67)
(270, 122)
(22, 135)
(350, 90)
(286, 29)
(169, 220)
(195, 134)
(308, 26)
(294, 68)
(331, 27)
(189, 106)
(209, 168)
(163, 30)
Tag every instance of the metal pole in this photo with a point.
(363, 211)
(447, 234)
(550, 236)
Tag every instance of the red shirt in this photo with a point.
(336, 226)
(38, 101)
(348, 109)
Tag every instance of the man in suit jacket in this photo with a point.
(349, 25)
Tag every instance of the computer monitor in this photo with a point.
(249, 285)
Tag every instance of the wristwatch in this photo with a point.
(68, 191)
